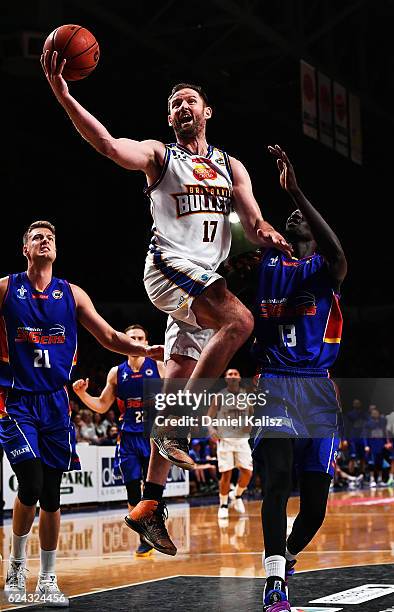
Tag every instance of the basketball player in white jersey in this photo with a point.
(192, 187)
(232, 440)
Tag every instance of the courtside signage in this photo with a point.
(358, 595)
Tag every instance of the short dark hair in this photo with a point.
(137, 326)
(196, 88)
(36, 224)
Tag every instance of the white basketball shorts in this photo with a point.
(172, 283)
(234, 452)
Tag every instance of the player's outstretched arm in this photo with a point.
(102, 403)
(106, 335)
(147, 156)
(327, 240)
(256, 229)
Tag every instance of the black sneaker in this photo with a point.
(175, 450)
(147, 518)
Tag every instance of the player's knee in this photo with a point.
(278, 481)
(50, 499)
(30, 481)
(50, 495)
(241, 328)
(29, 492)
(133, 488)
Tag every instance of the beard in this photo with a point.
(188, 131)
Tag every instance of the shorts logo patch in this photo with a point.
(20, 451)
(204, 277)
(182, 301)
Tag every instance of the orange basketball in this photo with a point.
(78, 46)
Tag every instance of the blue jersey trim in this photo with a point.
(180, 279)
(150, 188)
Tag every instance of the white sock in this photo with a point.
(239, 490)
(275, 566)
(18, 547)
(289, 556)
(223, 500)
(48, 561)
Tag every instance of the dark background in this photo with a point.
(246, 54)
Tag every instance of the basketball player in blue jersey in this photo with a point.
(38, 347)
(125, 384)
(298, 328)
(192, 187)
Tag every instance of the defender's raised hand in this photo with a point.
(287, 176)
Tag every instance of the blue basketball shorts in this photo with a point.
(131, 456)
(378, 456)
(297, 407)
(38, 426)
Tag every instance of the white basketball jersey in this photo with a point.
(232, 406)
(190, 204)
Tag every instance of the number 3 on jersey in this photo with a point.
(287, 335)
(209, 232)
(41, 359)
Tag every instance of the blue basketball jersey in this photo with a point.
(298, 318)
(130, 394)
(38, 335)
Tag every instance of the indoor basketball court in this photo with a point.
(195, 192)
(219, 562)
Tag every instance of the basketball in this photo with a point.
(78, 46)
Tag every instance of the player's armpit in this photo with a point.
(337, 266)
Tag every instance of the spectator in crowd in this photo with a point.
(88, 429)
(355, 424)
(110, 418)
(390, 433)
(99, 426)
(204, 472)
(111, 437)
(342, 477)
(78, 424)
(377, 448)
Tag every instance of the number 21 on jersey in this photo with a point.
(41, 359)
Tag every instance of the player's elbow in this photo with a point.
(107, 147)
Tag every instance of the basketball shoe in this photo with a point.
(147, 519)
(175, 450)
(144, 549)
(15, 582)
(223, 512)
(275, 598)
(48, 589)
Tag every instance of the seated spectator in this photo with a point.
(100, 428)
(204, 473)
(110, 418)
(111, 437)
(77, 424)
(88, 430)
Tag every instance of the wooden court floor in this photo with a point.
(96, 549)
